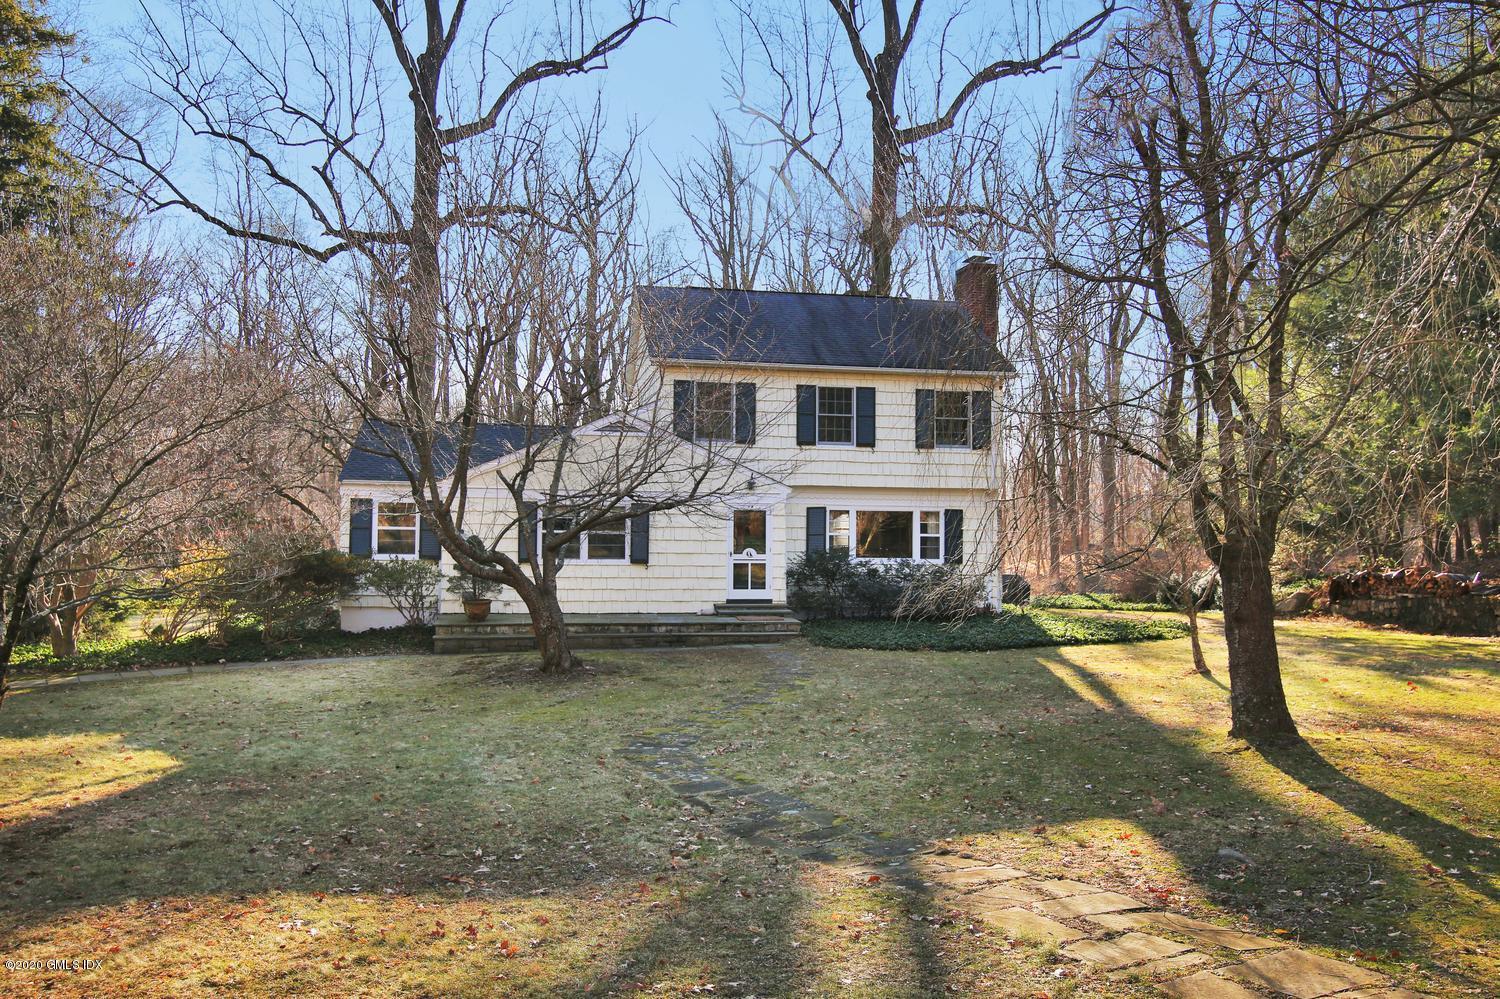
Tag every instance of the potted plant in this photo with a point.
(475, 591)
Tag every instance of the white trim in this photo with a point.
(583, 542)
(415, 529)
(763, 593)
(916, 510)
(853, 416)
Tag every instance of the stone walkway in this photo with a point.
(1183, 957)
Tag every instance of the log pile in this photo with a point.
(1409, 580)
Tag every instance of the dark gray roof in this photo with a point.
(774, 327)
(372, 459)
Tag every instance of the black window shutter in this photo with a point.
(526, 531)
(979, 413)
(361, 515)
(428, 546)
(817, 529)
(807, 414)
(926, 434)
(953, 536)
(864, 417)
(640, 537)
(682, 409)
(744, 413)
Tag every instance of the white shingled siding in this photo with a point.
(689, 562)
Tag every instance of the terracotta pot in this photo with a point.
(476, 610)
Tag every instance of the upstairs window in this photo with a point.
(713, 411)
(950, 419)
(835, 415)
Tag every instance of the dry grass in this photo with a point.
(429, 825)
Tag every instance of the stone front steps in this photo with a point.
(512, 632)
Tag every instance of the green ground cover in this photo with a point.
(1093, 601)
(1016, 630)
(241, 645)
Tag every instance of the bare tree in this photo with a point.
(916, 89)
(734, 218)
(1224, 144)
(117, 425)
(297, 104)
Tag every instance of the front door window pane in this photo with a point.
(749, 531)
(884, 533)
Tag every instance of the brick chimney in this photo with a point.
(976, 288)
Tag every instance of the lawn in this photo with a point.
(458, 825)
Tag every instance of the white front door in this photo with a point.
(749, 568)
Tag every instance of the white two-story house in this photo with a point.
(877, 413)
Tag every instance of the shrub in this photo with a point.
(832, 585)
(409, 584)
(816, 584)
(301, 594)
(467, 586)
(1014, 589)
(282, 583)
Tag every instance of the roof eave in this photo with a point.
(1006, 372)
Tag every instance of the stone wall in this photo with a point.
(1465, 615)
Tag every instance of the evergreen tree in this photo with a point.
(30, 160)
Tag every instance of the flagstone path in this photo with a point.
(1183, 957)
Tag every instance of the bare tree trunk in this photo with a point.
(1256, 699)
(63, 630)
(880, 230)
(1190, 606)
(548, 626)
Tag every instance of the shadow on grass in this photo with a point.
(1062, 746)
(360, 797)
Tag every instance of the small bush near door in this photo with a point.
(832, 585)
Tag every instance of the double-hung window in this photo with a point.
(713, 411)
(835, 415)
(838, 530)
(930, 535)
(951, 422)
(604, 542)
(395, 528)
(887, 534)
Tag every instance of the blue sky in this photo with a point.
(667, 80)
